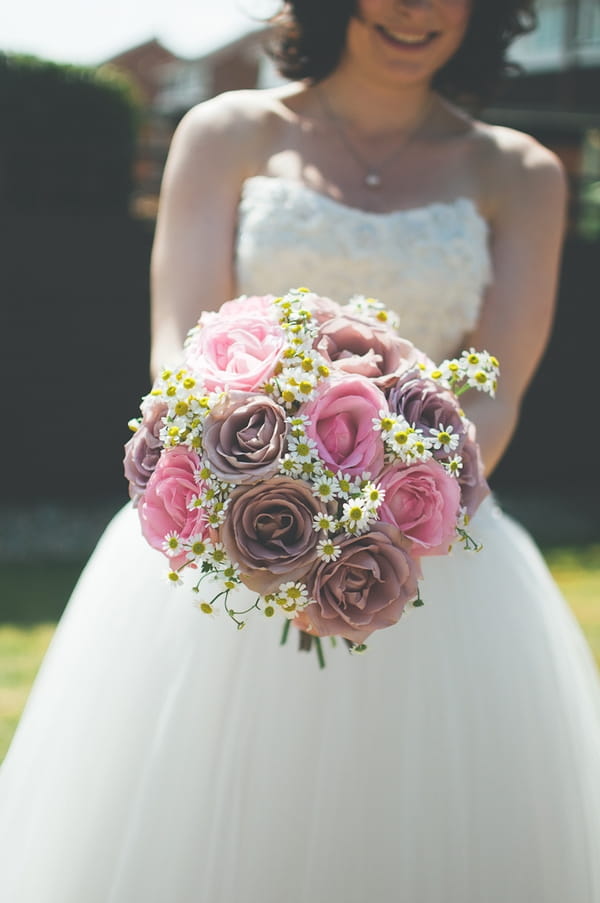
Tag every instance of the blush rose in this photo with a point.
(164, 508)
(235, 352)
(422, 500)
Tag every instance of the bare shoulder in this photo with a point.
(232, 129)
(514, 167)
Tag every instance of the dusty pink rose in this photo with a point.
(366, 589)
(244, 437)
(143, 450)
(164, 508)
(422, 500)
(269, 532)
(472, 482)
(259, 305)
(235, 352)
(341, 423)
(354, 345)
(322, 309)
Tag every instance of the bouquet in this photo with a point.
(305, 451)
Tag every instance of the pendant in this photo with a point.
(373, 180)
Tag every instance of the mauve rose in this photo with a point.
(143, 450)
(366, 589)
(472, 481)
(164, 506)
(425, 405)
(322, 309)
(341, 423)
(354, 345)
(244, 437)
(269, 532)
(235, 352)
(422, 500)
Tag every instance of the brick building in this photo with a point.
(169, 85)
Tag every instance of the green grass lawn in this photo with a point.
(31, 600)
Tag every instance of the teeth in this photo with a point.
(407, 38)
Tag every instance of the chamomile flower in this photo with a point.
(385, 423)
(217, 514)
(400, 441)
(356, 516)
(311, 470)
(454, 465)
(324, 522)
(172, 544)
(207, 608)
(294, 593)
(470, 361)
(451, 370)
(196, 547)
(218, 555)
(420, 446)
(173, 578)
(327, 550)
(344, 485)
(373, 495)
(482, 381)
(444, 438)
(324, 487)
(302, 448)
(290, 467)
(298, 424)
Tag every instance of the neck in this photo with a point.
(375, 109)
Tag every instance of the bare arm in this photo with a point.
(192, 269)
(515, 325)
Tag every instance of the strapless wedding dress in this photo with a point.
(165, 757)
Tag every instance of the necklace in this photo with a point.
(372, 174)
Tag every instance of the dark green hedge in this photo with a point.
(68, 137)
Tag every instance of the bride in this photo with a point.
(166, 758)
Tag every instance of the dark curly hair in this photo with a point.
(309, 40)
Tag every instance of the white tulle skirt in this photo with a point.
(165, 757)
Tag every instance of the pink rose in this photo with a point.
(422, 500)
(341, 424)
(164, 508)
(357, 346)
(367, 587)
(235, 352)
(260, 306)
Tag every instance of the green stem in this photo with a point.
(320, 655)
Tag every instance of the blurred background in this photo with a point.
(89, 98)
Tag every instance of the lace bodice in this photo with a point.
(430, 264)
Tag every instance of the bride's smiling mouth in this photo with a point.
(412, 40)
